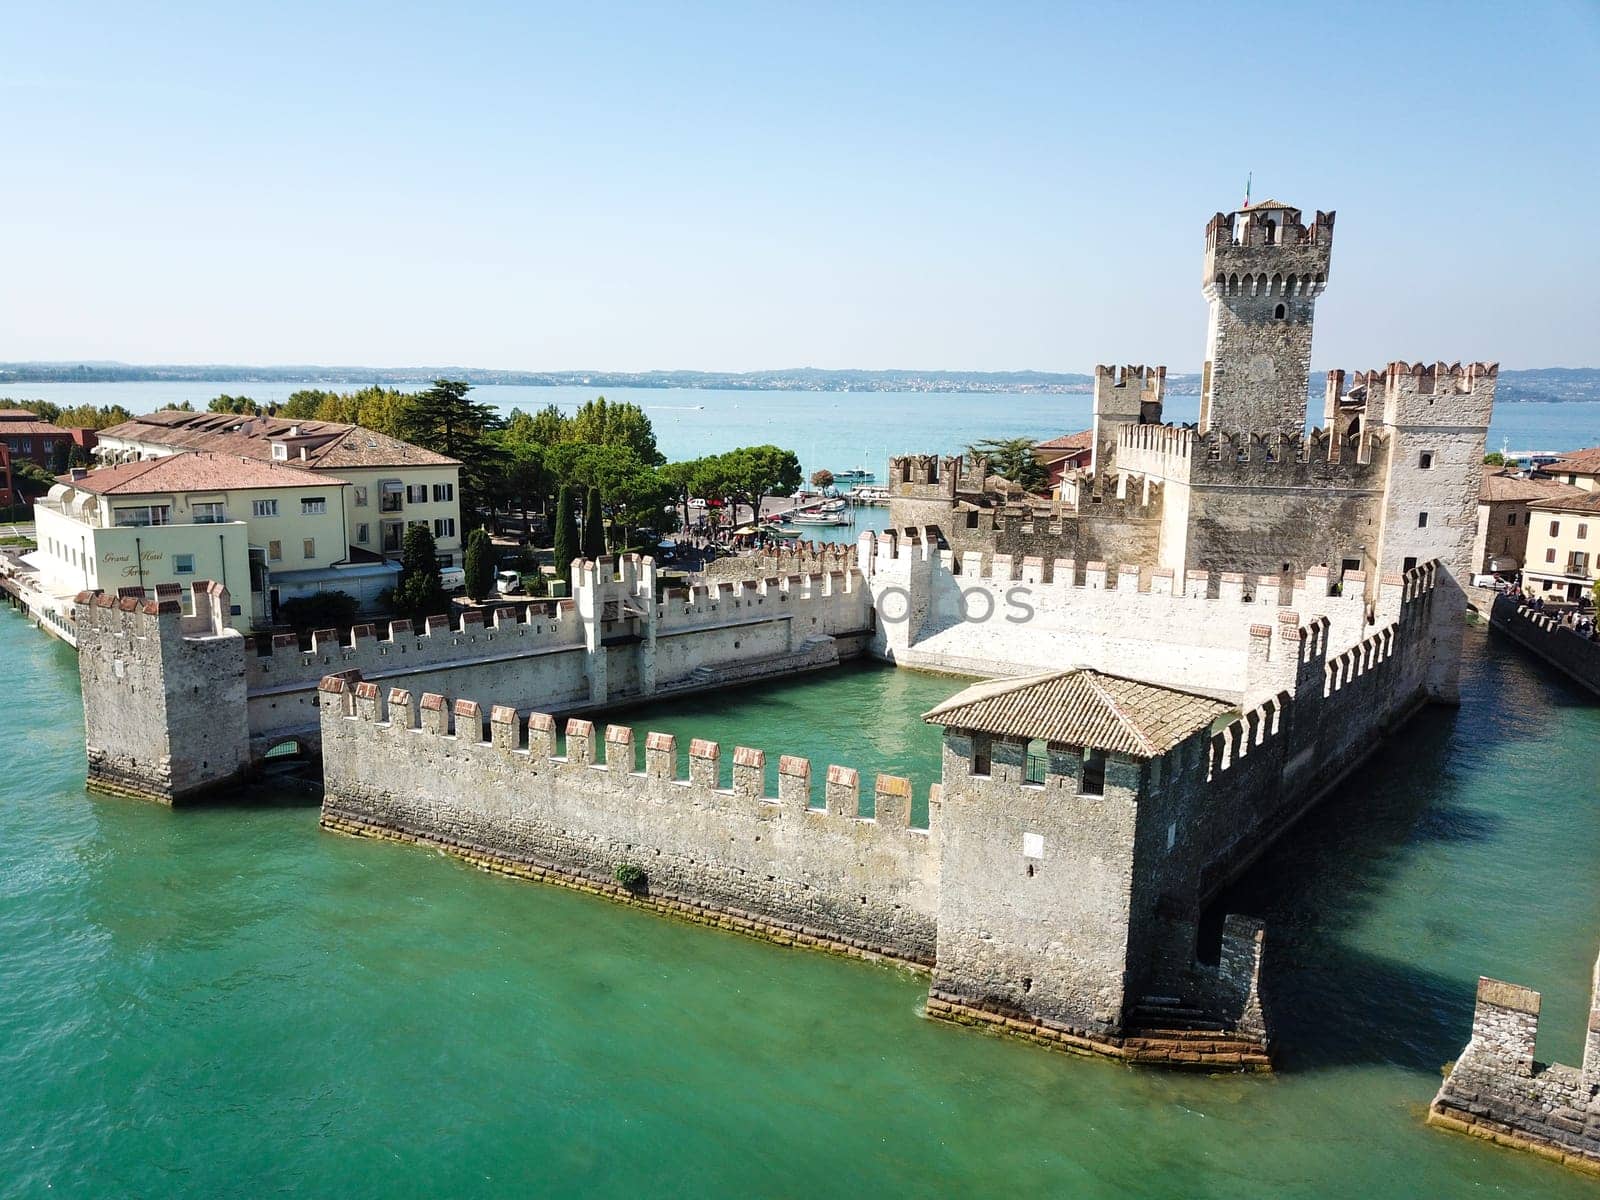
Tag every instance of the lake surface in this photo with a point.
(836, 430)
(226, 1001)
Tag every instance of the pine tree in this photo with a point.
(567, 547)
(419, 593)
(479, 564)
(594, 530)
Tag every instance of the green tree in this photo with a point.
(173, 406)
(599, 423)
(60, 457)
(566, 539)
(594, 529)
(745, 475)
(443, 420)
(419, 593)
(479, 565)
(78, 457)
(1013, 459)
(242, 405)
(1494, 459)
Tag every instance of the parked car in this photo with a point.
(453, 579)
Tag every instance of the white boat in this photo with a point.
(819, 518)
(854, 475)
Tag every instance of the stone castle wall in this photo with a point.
(1497, 1091)
(194, 707)
(1016, 617)
(499, 788)
(1574, 656)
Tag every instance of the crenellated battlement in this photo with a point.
(1224, 229)
(532, 741)
(1149, 382)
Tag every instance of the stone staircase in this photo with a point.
(1177, 1032)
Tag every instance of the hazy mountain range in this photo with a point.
(1537, 385)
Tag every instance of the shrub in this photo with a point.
(632, 878)
(323, 610)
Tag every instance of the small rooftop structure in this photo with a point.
(195, 471)
(1081, 707)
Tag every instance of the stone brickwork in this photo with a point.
(1263, 273)
(163, 694)
(1497, 1091)
(797, 558)
(1577, 657)
(444, 773)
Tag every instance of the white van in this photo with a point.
(453, 579)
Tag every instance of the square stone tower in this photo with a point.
(1264, 270)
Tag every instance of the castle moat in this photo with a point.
(196, 1001)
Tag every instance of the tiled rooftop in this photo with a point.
(199, 471)
(1081, 708)
(1499, 489)
(329, 445)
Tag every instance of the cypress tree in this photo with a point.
(419, 593)
(479, 564)
(567, 547)
(594, 530)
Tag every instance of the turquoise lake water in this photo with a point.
(226, 1001)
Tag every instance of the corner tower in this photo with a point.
(1264, 270)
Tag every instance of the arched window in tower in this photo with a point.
(1271, 227)
(1276, 289)
(1281, 313)
(1233, 285)
(1289, 286)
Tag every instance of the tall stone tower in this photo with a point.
(1264, 271)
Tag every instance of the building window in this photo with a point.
(310, 547)
(313, 506)
(391, 496)
(1426, 461)
(362, 535)
(1280, 313)
(980, 754)
(1555, 528)
(1577, 563)
(143, 514)
(1422, 520)
(416, 493)
(1410, 563)
(208, 512)
(183, 564)
(280, 452)
(274, 551)
(392, 537)
(444, 527)
(1511, 519)
(263, 508)
(1094, 772)
(444, 491)
(1583, 530)
(360, 494)
(1550, 555)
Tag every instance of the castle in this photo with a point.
(1204, 634)
(1389, 480)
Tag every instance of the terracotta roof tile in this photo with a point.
(1499, 489)
(1081, 708)
(329, 445)
(1577, 502)
(1579, 462)
(195, 471)
(1069, 441)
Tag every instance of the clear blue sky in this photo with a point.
(992, 186)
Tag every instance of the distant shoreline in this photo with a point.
(1551, 385)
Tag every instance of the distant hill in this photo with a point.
(1541, 385)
